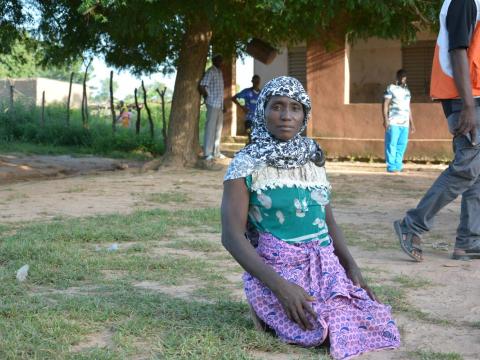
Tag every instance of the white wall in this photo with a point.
(57, 92)
(278, 67)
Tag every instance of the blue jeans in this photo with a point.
(396, 140)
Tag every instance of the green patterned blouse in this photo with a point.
(290, 204)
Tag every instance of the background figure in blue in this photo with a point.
(250, 96)
(397, 120)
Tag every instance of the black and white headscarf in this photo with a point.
(264, 149)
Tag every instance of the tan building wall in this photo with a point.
(345, 129)
(30, 90)
(373, 64)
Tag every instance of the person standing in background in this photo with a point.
(211, 87)
(250, 97)
(397, 121)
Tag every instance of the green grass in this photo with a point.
(67, 298)
(344, 196)
(166, 197)
(431, 355)
(411, 282)
(23, 133)
(395, 296)
(369, 237)
(196, 245)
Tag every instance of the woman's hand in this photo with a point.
(355, 275)
(295, 302)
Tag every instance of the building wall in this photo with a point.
(57, 92)
(345, 129)
(30, 91)
(373, 64)
(278, 67)
(24, 90)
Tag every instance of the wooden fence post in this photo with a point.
(11, 108)
(69, 98)
(164, 120)
(148, 110)
(139, 109)
(43, 109)
(112, 105)
(84, 98)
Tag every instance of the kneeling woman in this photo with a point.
(300, 281)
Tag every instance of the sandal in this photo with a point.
(406, 242)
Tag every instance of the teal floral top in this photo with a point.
(290, 203)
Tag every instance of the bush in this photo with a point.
(98, 138)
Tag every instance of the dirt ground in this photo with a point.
(365, 197)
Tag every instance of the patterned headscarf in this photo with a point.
(266, 149)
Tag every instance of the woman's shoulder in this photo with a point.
(241, 166)
(308, 176)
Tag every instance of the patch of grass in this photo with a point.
(67, 298)
(75, 189)
(167, 197)
(474, 324)
(16, 196)
(369, 237)
(411, 282)
(344, 196)
(396, 298)
(431, 355)
(196, 245)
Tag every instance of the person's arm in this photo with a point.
(460, 23)
(204, 84)
(412, 124)
(235, 100)
(385, 106)
(293, 298)
(203, 90)
(461, 75)
(343, 254)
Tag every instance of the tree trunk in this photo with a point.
(84, 97)
(181, 143)
(164, 121)
(69, 98)
(139, 109)
(149, 114)
(43, 109)
(112, 105)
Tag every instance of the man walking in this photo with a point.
(397, 121)
(456, 82)
(211, 87)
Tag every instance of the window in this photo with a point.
(297, 64)
(417, 61)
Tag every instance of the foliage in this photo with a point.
(146, 35)
(11, 19)
(96, 139)
(103, 91)
(24, 60)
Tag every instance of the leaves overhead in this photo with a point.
(146, 35)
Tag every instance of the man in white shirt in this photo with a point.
(211, 87)
(397, 120)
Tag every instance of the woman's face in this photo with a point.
(283, 117)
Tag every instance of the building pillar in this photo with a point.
(229, 90)
(326, 76)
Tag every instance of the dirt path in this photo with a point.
(442, 296)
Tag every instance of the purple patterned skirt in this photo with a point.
(354, 323)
